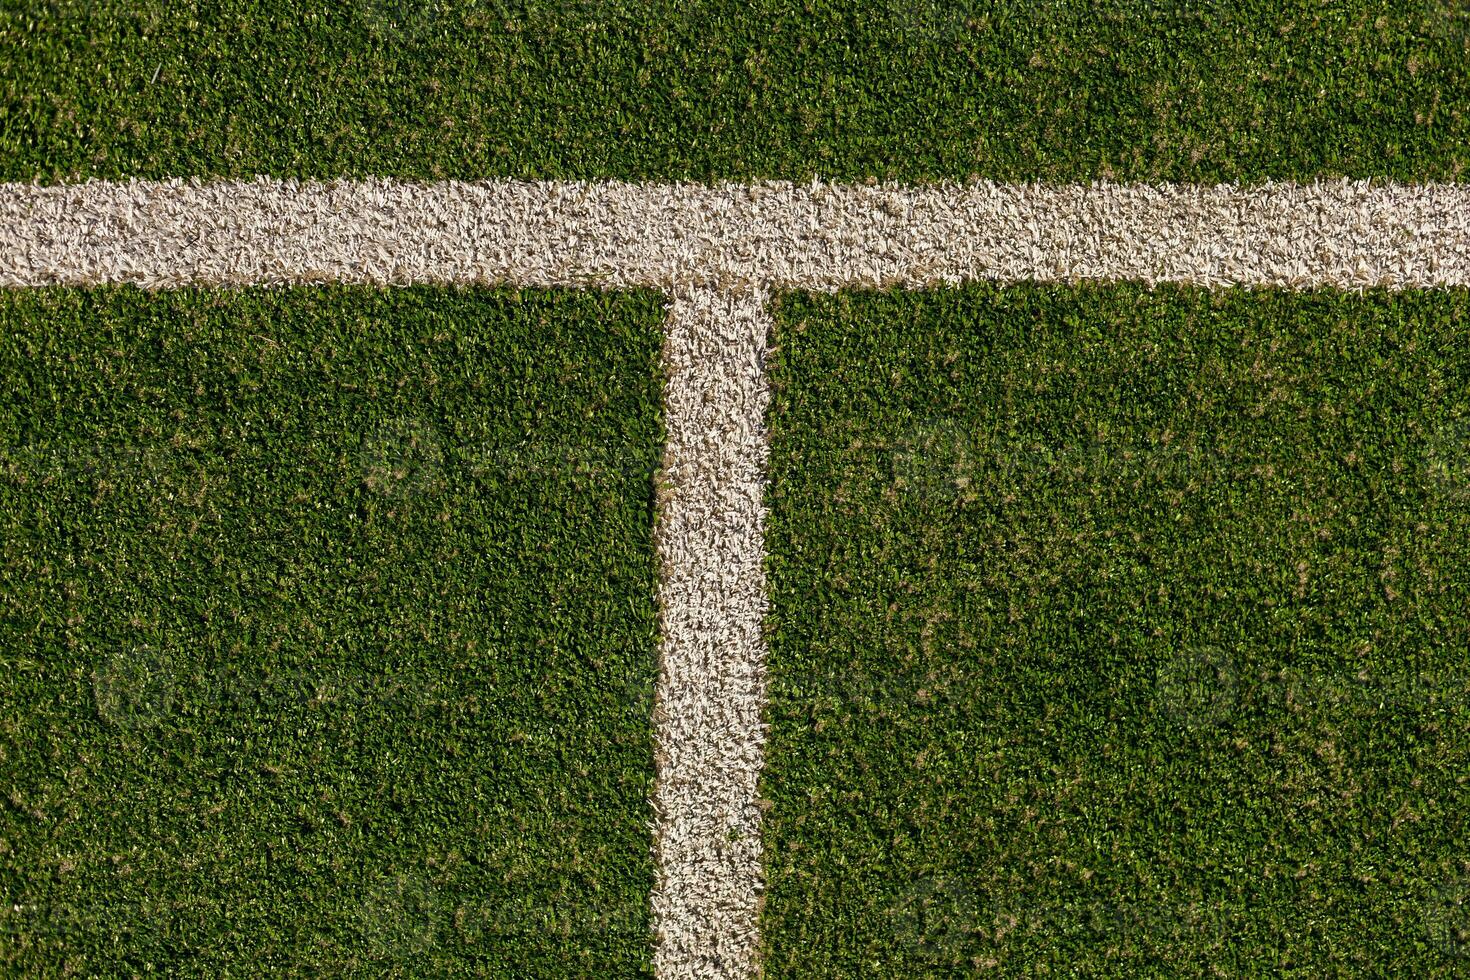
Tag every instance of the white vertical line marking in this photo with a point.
(708, 725)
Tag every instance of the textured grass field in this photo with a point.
(702, 89)
(1118, 631)
(326, 631)
(354, 630)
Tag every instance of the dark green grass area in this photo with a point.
(326, 632)
(1120, 633)
(703, 89)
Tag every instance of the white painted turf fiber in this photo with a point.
(711, 684)
(780, 236)
(719, 252)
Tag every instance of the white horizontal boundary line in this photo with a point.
(772, 235)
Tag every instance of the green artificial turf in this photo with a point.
(1119, 633)
(326, 631)
(700, 89)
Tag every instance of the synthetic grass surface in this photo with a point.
(701, 89)
(326, 631)
(1119, 633)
